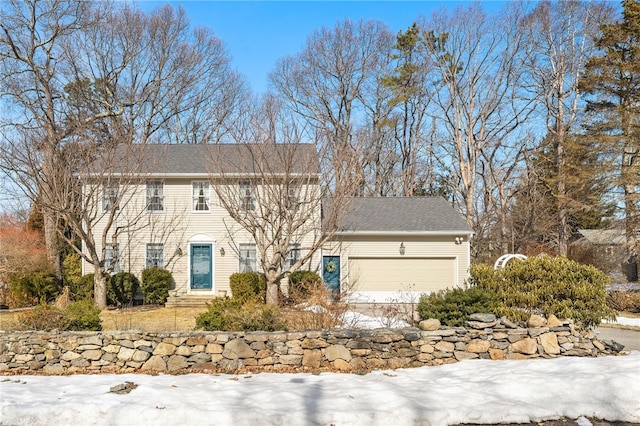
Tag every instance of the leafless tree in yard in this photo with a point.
(77, 79)
(332, 84)
(272, 190)
(477, 62)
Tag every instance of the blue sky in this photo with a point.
(258, 33)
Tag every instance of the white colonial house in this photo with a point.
(160, 209)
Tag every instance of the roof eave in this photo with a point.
(407, 233)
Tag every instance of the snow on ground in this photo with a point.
(635, 322)
(473, 391)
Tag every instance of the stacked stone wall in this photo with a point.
(485, 337)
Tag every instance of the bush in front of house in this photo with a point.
(545, 285)
(453, 307)
(248, 287)
(230, 314)
(44, 317)
(34, 287)
(76, 316)
(302, 284)
(121, 289)
(156, 283)
(82, 288)
(83, 315)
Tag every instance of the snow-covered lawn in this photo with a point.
(474, 391)
(634, 322)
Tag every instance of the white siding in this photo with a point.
(177, 227)
(373, 269)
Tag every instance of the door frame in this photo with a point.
(325, 260)
(212, 267)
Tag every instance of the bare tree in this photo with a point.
(272, 190)
(559, 39)
(327, 86)
(79, 78)
(477, 61)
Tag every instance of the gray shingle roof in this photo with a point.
(402, 214)
(165, 159)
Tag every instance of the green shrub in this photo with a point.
(546, 285)
(121, 289)
(72, 270)
(156, 283)
(453, 307)
(83, 315)
(82, 288)
(248, 286)
(34, 287)
(302, 284)
(44, 317)
(231, 315)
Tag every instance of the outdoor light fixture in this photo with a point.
(459, 240)
(178, 252)
(402, 249)
(221, 251)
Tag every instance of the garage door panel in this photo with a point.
(395, 274)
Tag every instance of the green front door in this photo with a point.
(201, 262)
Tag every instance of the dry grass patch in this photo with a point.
(150, 319)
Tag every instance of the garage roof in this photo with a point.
(402, 214)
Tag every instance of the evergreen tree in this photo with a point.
(612, 78)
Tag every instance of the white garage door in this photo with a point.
(401, 274)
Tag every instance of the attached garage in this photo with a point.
(412, 274)
(390, 249)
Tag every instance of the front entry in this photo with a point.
(331, 274)
(201, 262)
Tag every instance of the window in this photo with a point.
(155, 255)
(293, 256)
(292, 198)
(112, 258)
(155, 197)
(110, 196)
(247, 197)
(247, 257)
(200, 196)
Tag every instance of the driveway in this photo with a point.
(629, 338)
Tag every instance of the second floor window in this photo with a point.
(155, 198)
(293, 198)
(110, 196)
(247, 197)
(112, 258)
(200, 196)
(155, 255)
(247, 258)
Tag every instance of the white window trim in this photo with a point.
(247, 246)
(147, 258)
(290, 260)
(243, 186)
(109, 197)
(161, 197)
(194, 197)
(108, 259)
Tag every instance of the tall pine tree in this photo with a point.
(613, 81)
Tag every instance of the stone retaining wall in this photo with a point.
(343, 350)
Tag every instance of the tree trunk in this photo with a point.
(272, 287)
(52, 242)
(100, 288)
